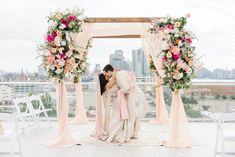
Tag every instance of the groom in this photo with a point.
(131, 99)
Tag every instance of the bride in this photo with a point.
(119, 129)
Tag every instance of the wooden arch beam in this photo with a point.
(119, 19)
(119, 36)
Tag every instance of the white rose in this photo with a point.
(52, 67)
(59, 71)
(83, 65)
(63, 43)
(69, 53)
(48, 53)
(62, 62)
(52, 23)
(62, 26)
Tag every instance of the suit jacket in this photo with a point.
(103, 83)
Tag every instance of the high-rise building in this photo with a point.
(87, 72)
(117, 60)
(97, 69)
(139, 63)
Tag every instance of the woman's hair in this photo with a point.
(108, 68)
(103, 83)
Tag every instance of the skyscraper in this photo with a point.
(117, 60)
(97, 69)
(139, 63)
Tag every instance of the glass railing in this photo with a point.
(203, 96)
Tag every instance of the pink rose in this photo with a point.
(175, 50)
(50, 38)
(54, 34)
(189, 40)
(62, 56)
(164, 59)
(51, 59)
(71, 18)
(176, 56)
(169, 26)
(65, 22)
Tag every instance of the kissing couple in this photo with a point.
(123, 105)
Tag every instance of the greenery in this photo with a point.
(48, 102)
(178, 56)
(217, 96)
(205, 107)
(233, 97)
(188, 102)
(224, 97)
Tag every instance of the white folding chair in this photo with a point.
(222, 134)
(24, 114)
(11, 134)
(41, 108)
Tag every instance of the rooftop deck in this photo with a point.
(147, 145)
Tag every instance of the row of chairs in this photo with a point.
(222, 134)
(25, 111)
(28, 113)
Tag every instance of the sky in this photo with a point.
(23, 25)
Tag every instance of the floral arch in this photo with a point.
(167, 46)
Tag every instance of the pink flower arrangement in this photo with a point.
(178, 58)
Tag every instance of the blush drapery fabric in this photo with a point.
(81, 40)
(152, 47)
(179, 136)
(63, 136)
(161, 112)
(80, 112)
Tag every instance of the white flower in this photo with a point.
(178, 76)
(162, 20)
(168, 55)
(75, 65)
(48, 53)
(52, 23)
(63, 43)
(52, 67)
(61, 50)
(62, 62)
(164, 45)
(62, 26)
(59, 71)
(83, 65)
(69, 53)
(57, 40)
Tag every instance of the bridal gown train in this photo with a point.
(119, 130)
